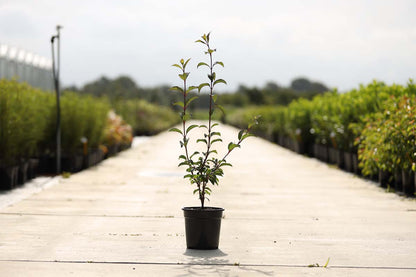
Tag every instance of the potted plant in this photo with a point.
(203, 169)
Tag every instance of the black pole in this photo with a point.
(57, 89)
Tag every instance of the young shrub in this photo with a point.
(203, 169)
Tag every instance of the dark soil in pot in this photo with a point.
(202, 227)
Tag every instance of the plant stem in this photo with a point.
(210, 110)
(211, 88)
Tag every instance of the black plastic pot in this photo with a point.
(202, 227)
(408, 182)
(8, 177)
(355, 164)
(348, 165)
(72, 163)
(321, 152)
(22, 173)
(47, 165)
(299, 147)
(384, 178)
(332, 155)
(33, 168)
(398, 185)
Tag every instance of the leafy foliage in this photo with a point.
(376, 120)
(144, 117)
(388, 141)
(24, 115)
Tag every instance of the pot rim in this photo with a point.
(205, 209)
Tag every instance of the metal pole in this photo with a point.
(58, 106)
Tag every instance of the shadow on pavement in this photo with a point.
(214, 262)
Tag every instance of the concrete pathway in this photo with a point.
(283, 213)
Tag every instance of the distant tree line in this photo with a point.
(124, 87)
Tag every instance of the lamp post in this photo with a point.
(55, 71)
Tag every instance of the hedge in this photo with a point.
(28, 124)
(375, 121)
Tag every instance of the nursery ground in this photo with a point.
(285, 214)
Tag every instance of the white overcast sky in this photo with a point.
(340, 43)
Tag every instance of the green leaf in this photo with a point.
(184, 76)
(215, 134)
(202, 63)
(185, 117)
(203, 126)
(214, 98)
(182, 157)
(191, 88)
(247, 135)
(216, 140)
(226, 164)
(190, 128)
(220, 63)
(232, 145)
(184, 65)
(195, 191)
(177, 65)
(176, 130)
(215, 124)
(220, 81)
(183, 163)
(240, 134)
(201, 86)
(190, 100)
(177, 88)
(202, 140)
(212, 76)
(221, 108)
(179, 103)
(195, 153)
(200, 41)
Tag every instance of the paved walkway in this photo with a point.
(283, 212)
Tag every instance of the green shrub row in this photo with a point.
(24, 117)
(28, 121)
(376, 121)
(388, 141)
(145, 118)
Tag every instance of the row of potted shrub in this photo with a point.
(89, 132)
(144, 117)
(369, 130)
